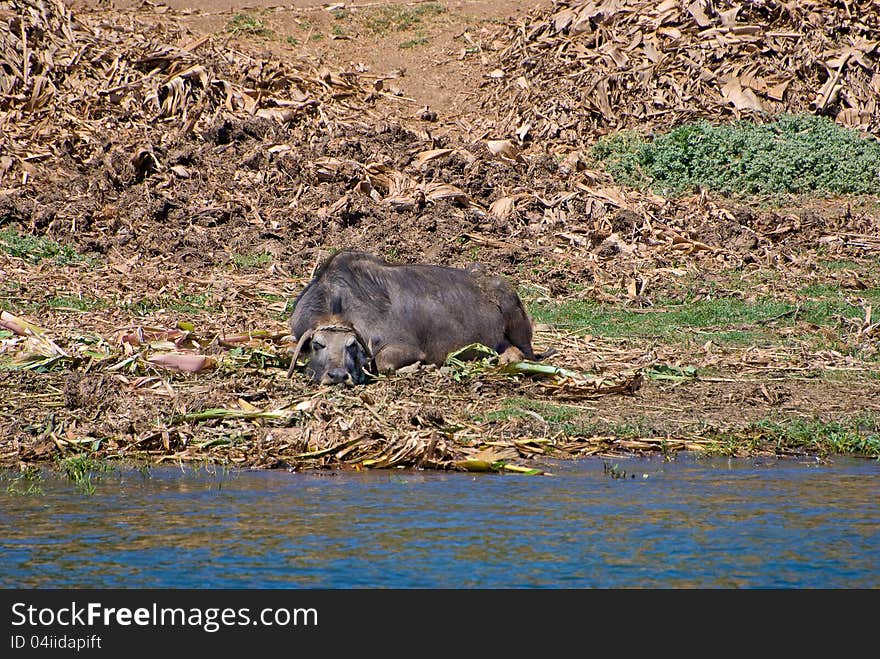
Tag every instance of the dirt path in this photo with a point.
(441, 70)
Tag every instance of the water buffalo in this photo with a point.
(360, 315)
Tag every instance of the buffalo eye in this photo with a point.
(350, 343)
(317, 344)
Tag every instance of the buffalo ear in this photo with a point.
(365, 344)
(299, 346)
(369, 366)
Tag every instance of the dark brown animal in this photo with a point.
(360, 315)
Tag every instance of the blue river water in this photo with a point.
(687, 523)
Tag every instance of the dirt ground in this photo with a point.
(207, 155)
(434, 74)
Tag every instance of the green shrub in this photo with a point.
(796, 154)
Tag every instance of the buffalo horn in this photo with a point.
(299, 346)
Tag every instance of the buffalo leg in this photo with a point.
(511, 355)
(519, 332)
(397, 355)
(517, 326)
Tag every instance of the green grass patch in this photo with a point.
(11, 288)
(735, 337)
(841, 265)
(797, 154)
(833, 292)
(72, 303)
(79, 469)
(667, 324)
(419, 40)
(251, 260)
(727, 320)
(859, 435)
(269, 297)
(389, 18)
(246, 23)
(34, 249)
(26, 482)
(191, 303)
(182, 303)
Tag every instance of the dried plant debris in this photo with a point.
(587, 67)
(71, 84)
(164, 197)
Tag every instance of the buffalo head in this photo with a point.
(335, 354)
